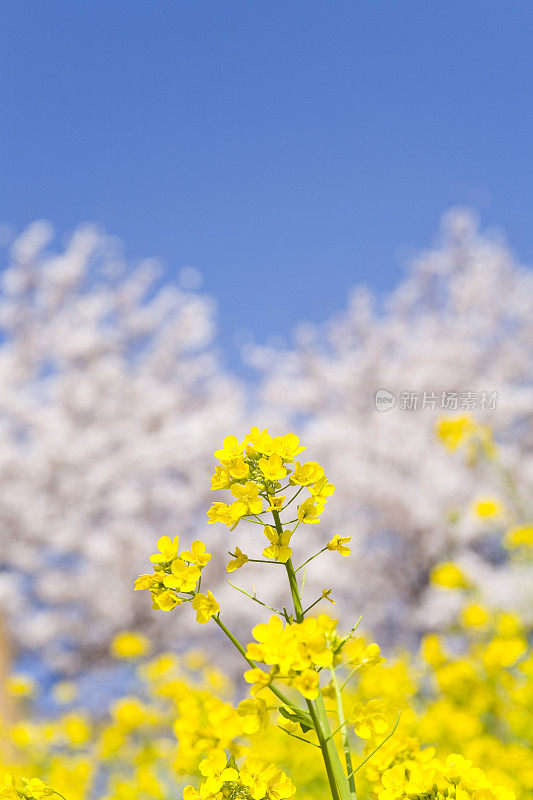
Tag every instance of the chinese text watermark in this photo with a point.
(442, 401)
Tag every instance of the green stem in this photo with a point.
(333, 756)
(310, 559)
(337, 729)
(293, 583)
(345, 739)
(292, 498)
(380, 745)
(296, 599)
(354, 670)
(347, 637)
(337, 780)
(294, 736)
(513, 491)
(255, 599)
(323, 744)
(317, 601)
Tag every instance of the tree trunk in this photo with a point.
(7, 705)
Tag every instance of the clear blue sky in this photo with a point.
(286, 149)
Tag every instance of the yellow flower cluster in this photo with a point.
(176, 576)
(294, 652)
(416, 774)
(16, 788)
(253, 470)
(362, 654)
(254, 779)
(479, 703)
(469, 692)
(482, 700)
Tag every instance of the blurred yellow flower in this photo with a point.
(455, 431)
(129, 645)
(448, 575)
(19, 685)
(519, 536)
(474, 616)
(65, 692)
(487, 507)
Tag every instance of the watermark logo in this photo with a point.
(385, 400)
(445, 401)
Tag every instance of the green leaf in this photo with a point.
(300, 717)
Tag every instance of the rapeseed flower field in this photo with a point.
(320, 712)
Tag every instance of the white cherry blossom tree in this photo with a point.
(112, 399)
(461, 322)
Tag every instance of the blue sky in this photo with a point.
(286, 149)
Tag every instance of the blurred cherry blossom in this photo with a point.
(113, 398)
(461, 321)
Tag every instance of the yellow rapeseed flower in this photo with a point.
(221, 479)
(24, 788)
(254, 712)
(474, 616)
(306, 682)
(168, 549)
(272, 468)
(306, 474)
(247, 497)
(455, 431)
(448, 575)
(260, 441)
(322, 489)
(287, 446)
(276, 502)
(197, 555)
(239, 560)
(205, 606)
(278, 549)
(166, 600)
(519, 536)
(369, 719)
(239, 469)
(309, 511)
(216, 772)
(231, 450)
(219, 512)
(129, 645)
(183, 577)
(487, 507)
(338, 544)
(19, 685)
